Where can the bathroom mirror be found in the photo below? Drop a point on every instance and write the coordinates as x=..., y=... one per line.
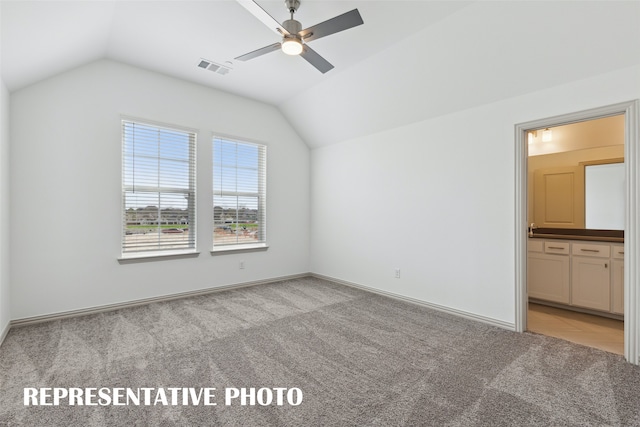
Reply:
x=604, y=195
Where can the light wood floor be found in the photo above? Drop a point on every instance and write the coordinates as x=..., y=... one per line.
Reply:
x=586, y=329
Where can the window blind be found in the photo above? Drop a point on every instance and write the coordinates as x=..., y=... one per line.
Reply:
x=158, y=188
x=239, y=192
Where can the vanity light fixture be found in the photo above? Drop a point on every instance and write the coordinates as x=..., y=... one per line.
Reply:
x=547, y=135
x=532, y=135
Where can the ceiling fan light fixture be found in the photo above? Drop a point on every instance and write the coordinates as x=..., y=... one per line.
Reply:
x=292, y=46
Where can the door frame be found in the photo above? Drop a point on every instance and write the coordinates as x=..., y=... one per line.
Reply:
x=631, y=111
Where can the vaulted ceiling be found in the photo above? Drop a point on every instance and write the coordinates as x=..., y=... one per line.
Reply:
x=41, y=38
x=409, y=61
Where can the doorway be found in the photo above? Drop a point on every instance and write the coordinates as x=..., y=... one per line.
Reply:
x=631, y=225
x=576, y=190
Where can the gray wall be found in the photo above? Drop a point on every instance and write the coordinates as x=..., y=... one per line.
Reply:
x=66, y=193
x=5, y=295
x=437, y=199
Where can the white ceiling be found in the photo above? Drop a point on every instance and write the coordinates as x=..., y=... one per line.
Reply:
x=485, y=52
x=410, y=61
x=42, y=38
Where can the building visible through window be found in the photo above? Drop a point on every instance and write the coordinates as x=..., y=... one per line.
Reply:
x=239, y=193
x=158, y=188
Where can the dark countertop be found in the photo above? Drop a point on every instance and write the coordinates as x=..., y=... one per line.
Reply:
x=613, y=236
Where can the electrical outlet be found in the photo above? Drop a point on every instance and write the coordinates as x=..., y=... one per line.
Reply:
x=397, y=273
x=241, y=265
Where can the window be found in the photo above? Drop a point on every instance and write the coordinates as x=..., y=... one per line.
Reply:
x=239, y=193
x=158, y=188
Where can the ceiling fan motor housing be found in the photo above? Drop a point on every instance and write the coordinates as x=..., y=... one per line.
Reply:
x=292, y=26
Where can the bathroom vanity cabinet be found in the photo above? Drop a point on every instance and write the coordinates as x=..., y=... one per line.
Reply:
x=582, y=274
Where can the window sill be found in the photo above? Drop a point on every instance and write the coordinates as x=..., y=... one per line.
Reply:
x=153, y=256
x=221, y=250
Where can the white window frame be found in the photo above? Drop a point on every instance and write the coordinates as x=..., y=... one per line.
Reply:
x=190, y=193
x=261, y=195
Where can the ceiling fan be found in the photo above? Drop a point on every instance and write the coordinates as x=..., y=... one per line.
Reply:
x=294, y=38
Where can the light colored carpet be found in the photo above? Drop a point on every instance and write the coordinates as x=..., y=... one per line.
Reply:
x=359, y=358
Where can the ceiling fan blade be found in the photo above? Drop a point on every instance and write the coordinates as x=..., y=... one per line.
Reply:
x=313, y=58
x=334, y=25
x=259, y=52
x=256, y=10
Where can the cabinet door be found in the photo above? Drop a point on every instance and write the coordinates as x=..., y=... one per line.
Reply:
x=558, y=197
x=590, y=283
x=617, y=285
x=548, y=277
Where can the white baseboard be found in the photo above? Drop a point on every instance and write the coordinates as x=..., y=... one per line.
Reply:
x=111, y=307
x=4, y=332
x=461, y=313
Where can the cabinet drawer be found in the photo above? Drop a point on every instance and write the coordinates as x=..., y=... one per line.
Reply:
x=535, y=246
x=618, y=252
x=556, y=248
x=587, y=249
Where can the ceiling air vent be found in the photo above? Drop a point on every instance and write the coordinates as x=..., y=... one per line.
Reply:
x=212, y=66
